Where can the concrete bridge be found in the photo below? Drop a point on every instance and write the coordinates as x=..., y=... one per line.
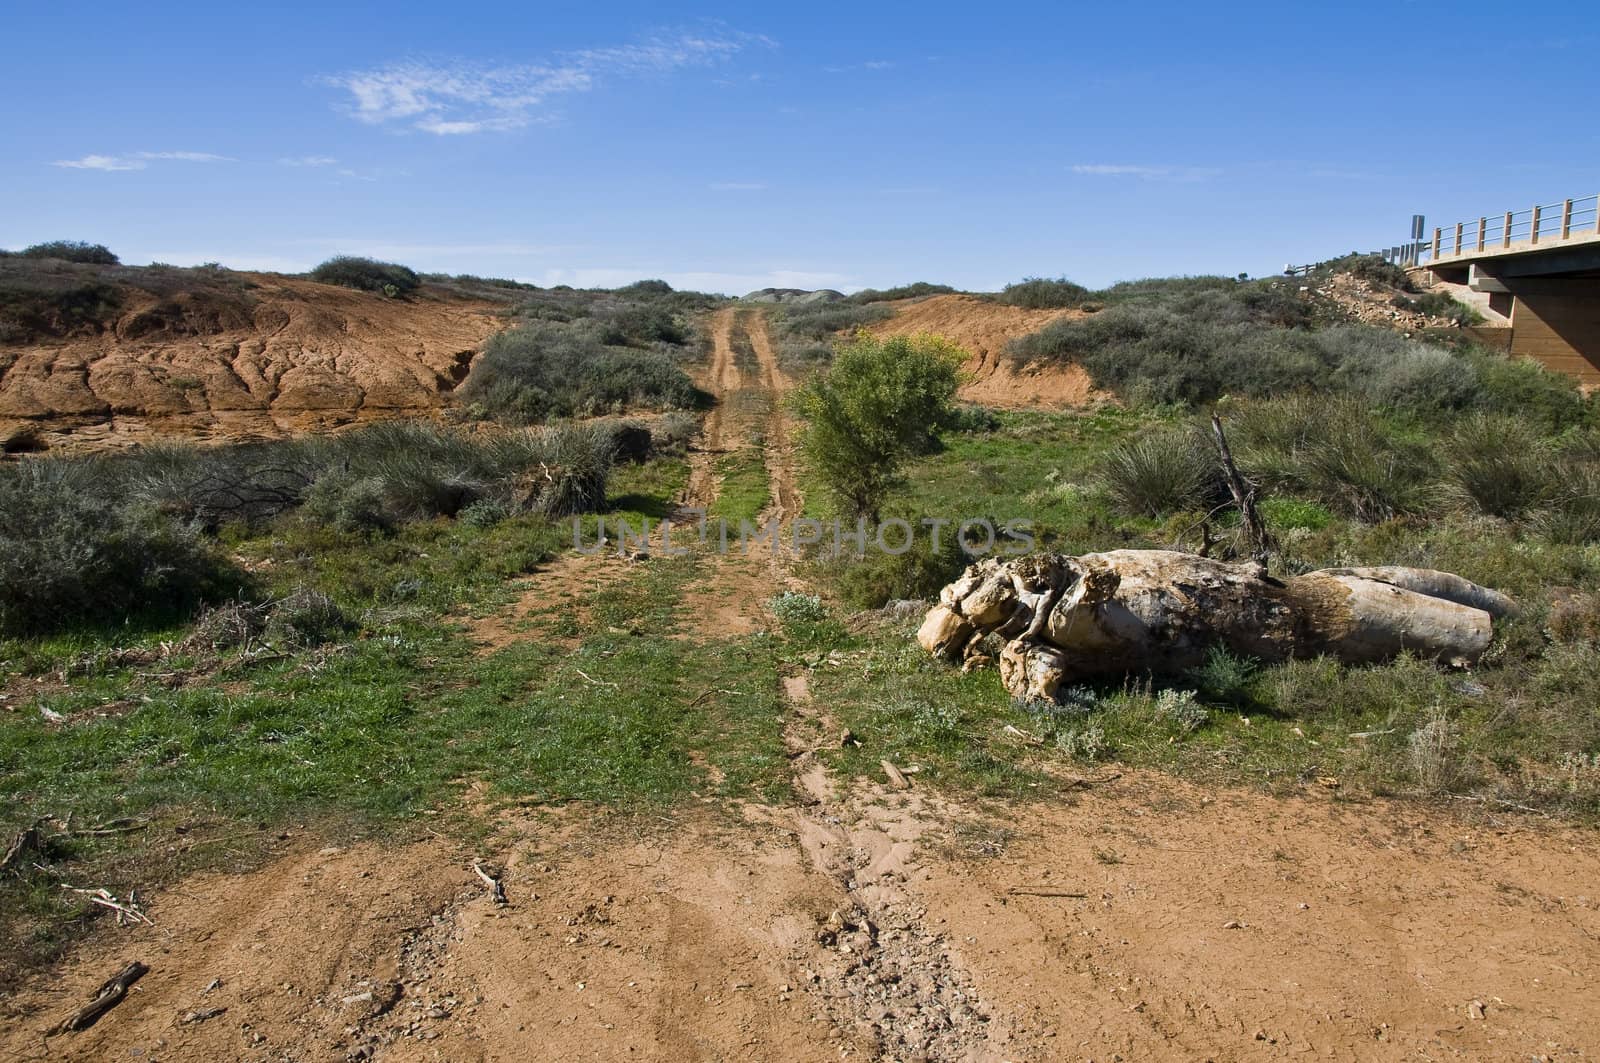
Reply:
x=1534, y=274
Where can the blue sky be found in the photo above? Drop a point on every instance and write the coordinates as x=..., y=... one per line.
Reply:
x=729, y=146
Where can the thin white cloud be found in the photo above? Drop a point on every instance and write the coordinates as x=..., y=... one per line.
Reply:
x=1148, y=173
x=308, y=160
x=870, y=64
x=460, y=98
x=102, y=162
x=737, y=186
x=138, y=160
x=186, y=156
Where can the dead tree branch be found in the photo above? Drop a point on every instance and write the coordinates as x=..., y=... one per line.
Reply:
x=107, y=997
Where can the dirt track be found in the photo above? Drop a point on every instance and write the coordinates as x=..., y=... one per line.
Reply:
x=1132, y=917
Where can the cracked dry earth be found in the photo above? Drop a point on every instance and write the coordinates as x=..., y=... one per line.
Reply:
x=300, y=357
x=1132, y=917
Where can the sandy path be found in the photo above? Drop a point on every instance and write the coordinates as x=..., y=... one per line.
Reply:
x=721, y=379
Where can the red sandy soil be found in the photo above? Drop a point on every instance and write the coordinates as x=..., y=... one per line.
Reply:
x=984, y=328
x=297, y=356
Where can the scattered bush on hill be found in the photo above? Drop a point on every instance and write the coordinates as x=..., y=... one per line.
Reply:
x=72, y=251
x=1195, y=340
x=1041, y=293
x=543, y=369
x=805, y=332
x=367, y=275
x=581, y=353
x=1370, y=268
x=914, y=290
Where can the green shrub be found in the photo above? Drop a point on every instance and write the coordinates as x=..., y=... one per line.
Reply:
x=1182, y=709
x=1363, y=470
x=72, y=554
x=1163, y=472
x=366, y=274
x=973, y=418
x=546, y=369
x=72, y=251
x=870, y=581
x=1438, y=304
x=1396, y=373
x=914, y=290
x=574, y=469
x=1370, y=268
x=306, y=617
x=1158, y=289
x=1190, y=347
x=1527, y=390
x=1572, y=515
x=674, y=432
x=1225, y=677
x=348, y=502
x=38, y=300
x=1041, y=293
x=214, y=486
x=1499, y=464
x=643, y=325
x=646, y=287
x=1196, y=339
x=820, y=321
x=881, y=402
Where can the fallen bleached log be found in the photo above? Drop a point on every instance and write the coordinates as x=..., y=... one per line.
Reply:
x=1136, y=611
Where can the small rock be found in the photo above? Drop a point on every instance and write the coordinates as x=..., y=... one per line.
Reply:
x=1233, y=924
x=1475, y=1009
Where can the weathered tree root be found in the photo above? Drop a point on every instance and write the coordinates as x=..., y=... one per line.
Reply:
x=1155, y=611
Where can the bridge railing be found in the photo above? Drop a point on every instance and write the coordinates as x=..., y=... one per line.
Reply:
x=1543, y=223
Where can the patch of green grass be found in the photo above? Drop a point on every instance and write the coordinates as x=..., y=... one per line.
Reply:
x=915, y=712
x=390, y=719
x=1520, y=727
x=649, y=489
x=746, y=486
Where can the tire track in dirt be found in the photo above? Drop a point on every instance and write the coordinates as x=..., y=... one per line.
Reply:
x=729, y=600
x=573, y=574
x=779, y=454
x=874, y=968
x=880, y=969
x=721, y=380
